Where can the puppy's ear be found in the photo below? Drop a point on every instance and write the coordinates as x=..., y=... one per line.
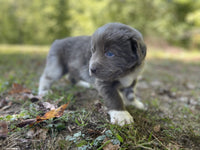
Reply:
x=138, y=48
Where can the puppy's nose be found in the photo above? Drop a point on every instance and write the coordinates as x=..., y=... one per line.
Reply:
x=93, y=70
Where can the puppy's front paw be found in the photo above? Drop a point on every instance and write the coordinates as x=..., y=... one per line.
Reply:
x=120, y=117
x=44, y=92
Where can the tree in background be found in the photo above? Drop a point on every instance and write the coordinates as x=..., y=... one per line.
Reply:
x=33, y=22
x=61, y=18
x=41, y=22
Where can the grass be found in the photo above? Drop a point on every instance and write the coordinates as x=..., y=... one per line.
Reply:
x=169, y=87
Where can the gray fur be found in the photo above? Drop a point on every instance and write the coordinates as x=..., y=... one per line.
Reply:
x=83, y=58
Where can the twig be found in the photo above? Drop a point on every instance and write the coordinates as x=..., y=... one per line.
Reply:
x=158, y=140
x=144, y=147
x=107, y=142
x=103, y=131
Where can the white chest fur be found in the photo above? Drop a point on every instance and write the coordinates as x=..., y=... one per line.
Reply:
x=127, y=80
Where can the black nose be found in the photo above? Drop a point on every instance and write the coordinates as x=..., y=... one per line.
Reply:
x=93, y=70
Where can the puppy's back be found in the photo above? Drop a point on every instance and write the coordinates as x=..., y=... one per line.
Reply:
x=65, y=46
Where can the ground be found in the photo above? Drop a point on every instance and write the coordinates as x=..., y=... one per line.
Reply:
x=169, y=87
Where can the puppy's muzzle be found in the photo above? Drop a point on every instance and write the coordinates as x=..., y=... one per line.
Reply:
x=92, y=70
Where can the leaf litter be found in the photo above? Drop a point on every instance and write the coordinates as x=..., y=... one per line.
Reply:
x=3, y=129
x=48, y=115
x=52, y=113
x=18, y=88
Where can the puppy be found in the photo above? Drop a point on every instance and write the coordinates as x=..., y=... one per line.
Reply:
x=110, y=60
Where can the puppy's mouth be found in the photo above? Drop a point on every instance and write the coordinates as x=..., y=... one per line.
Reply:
x=92, y=70
x=104, y=75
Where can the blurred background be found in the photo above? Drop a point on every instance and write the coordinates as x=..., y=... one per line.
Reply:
x=36, y=22
x=169, y=85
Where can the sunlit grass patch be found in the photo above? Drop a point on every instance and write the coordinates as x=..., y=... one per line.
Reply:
x=184, y=55
x=21, y=64
x=31, y=49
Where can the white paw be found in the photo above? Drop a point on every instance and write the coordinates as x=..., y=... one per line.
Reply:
x=120, y=117
x=84, y=84
x=138, y=104
x=44, y=92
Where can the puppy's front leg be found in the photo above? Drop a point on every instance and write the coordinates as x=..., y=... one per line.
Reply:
x=116, y=110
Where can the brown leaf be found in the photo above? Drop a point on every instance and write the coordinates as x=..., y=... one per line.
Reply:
x=26, y=122
x=53, y=113
x=3, y=129
x=110, y=146
x=17, y=88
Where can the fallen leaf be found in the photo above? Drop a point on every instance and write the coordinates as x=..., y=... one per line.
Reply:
x=110, y=146
x=53, y=113
x=156, y=128
x=3, y=129
x=17, y=88
x=26, y=122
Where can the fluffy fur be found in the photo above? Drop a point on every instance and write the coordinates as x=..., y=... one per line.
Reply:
x=110, y=60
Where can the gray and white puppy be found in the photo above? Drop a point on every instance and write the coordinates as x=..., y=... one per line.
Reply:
x=110, y=60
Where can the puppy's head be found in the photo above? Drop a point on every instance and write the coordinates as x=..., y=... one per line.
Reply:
x=116, y=49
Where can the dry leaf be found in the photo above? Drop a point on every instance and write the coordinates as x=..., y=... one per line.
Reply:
x=110, y=146
x=3, y=129
x=17, y=88
x=156, y=128
x=26, y=122
x=53, y=113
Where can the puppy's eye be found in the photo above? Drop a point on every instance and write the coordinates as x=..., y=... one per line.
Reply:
x=109, y=54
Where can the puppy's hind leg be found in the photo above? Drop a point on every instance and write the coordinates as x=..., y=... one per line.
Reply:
x=52, y=72
x=129, y=97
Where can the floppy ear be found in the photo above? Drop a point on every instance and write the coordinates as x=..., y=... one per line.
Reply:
x=138, y=48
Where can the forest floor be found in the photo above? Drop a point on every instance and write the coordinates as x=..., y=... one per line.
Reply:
x=169, y=87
